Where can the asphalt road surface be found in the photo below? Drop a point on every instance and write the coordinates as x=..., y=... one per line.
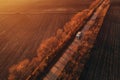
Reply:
x=104, y=63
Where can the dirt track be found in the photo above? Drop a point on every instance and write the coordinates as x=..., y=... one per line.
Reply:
x=104, y=63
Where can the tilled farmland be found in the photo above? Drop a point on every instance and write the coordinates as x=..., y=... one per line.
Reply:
x=21, y=35
x=104, y=63
x=24, y=37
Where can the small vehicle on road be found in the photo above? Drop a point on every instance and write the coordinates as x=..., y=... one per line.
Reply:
x=79, y=35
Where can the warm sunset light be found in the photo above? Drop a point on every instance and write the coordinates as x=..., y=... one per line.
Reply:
x=59, y=40
x=10, y=2
x=36, y=6
x=7, y=6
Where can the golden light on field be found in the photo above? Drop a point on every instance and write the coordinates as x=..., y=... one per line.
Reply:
x=15, y=2
x=38, y=6
x=9, y=5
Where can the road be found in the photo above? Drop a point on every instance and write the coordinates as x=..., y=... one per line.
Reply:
x=61, y=63
x=59, y=66
x=104, y=63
